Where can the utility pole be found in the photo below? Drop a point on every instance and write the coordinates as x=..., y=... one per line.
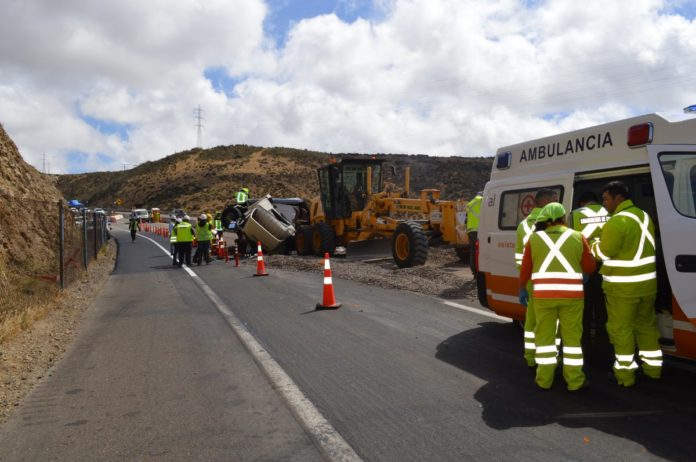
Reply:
x=124, y=166
x=44, y=163
x=198, y=116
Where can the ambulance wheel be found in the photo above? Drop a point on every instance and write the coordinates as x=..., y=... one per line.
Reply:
x=303, y=240
x=323, y=239
x=409, y=245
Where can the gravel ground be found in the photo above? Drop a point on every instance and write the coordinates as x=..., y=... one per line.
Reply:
x=28, y=357
x=443, y=275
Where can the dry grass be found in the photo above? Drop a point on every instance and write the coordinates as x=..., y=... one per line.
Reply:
x=23, y=300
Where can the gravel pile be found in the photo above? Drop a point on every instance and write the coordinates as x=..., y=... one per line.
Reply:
x=443, y=275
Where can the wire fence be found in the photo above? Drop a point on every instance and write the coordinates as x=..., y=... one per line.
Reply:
x=82, y=234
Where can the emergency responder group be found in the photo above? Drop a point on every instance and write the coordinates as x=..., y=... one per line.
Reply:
x=561, y=265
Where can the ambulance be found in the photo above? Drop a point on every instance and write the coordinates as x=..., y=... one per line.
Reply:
x=654, y=155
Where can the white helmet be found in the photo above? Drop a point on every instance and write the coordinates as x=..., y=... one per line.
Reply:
x=187, y=218
x=179, y=220
x=203, y=217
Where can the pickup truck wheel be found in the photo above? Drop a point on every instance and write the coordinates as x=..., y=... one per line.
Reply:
x=409, y=245
x=323, y=239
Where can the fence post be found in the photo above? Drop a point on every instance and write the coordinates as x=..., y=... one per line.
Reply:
x=84, y=237
x=95, y=235
x=61, y=234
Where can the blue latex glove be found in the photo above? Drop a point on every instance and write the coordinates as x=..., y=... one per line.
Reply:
x=524, y=297
x=585, y=278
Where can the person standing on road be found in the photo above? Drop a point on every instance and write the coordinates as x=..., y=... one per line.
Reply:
x=184, y=238
x=473, y=212
x=524, y=230
x=172, y=240
x=217, y=225
x=555, y=260
x=134, y=227
x=204, y=234
x=627, y=250
x=589, y=218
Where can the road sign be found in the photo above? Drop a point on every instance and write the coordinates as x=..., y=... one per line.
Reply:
x=118, y=202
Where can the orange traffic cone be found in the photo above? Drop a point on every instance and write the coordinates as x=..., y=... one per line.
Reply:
x=329, y=301
x=260, y=268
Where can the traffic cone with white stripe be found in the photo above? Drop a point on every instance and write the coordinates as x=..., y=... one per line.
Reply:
x=260, y=268
x=329, y=299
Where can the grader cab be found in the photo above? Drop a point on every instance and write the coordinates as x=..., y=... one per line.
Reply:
x=354, y=211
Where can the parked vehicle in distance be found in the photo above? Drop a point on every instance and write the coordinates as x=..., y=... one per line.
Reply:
x=141, y=214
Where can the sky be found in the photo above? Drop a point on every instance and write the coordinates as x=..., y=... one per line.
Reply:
x=88, y=85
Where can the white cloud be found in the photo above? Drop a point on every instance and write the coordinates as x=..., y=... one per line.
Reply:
x=440, y=77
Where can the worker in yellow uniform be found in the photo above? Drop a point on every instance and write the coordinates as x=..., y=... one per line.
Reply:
x=525, y=229
x=627, y=250
x=204, y=234
x=589, y=218
x=184, y=237
x=555, y=260
x=217, y=225
x=473, y=216
x=242, y=196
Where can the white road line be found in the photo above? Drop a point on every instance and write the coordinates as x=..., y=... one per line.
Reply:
x=471, y=309
x=332, y=444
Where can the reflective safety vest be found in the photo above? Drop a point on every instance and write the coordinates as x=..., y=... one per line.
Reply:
x=524, y=230
x=557, y=263
x=172, y=237
x=183, y=232
x=241, y=197
x=203, y=233
x=218, y=225
x=589, y=220
x=473, y=214
x=627, y=250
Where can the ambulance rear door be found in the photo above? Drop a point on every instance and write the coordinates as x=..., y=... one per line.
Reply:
x=673, y=170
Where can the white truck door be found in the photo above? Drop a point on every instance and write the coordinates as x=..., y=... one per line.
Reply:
x=673, y=170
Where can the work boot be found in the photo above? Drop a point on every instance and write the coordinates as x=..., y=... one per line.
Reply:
x=585, y=385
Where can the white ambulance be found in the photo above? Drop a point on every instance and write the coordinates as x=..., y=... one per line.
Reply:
x=655, y=155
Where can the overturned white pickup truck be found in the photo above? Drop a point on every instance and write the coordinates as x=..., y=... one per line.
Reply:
x=271, y=221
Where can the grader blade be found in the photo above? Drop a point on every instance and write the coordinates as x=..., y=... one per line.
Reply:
x=369, y=248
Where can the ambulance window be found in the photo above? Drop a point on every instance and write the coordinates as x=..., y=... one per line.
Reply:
x=516, y=205
x=679, y=170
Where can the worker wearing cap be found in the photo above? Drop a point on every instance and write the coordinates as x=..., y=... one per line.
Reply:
x=134, y=227
x=172, y=238
x=555, y=259
x=217, y=224
x=204, y=234
x=524, y=230
x=473, y=212
x=589, y=218
x=627, y=250
x=184, y=237
x=242, y=196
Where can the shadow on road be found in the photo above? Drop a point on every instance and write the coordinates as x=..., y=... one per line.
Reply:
x=658, y=415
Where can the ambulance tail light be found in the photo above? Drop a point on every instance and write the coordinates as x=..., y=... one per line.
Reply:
x=640, y=135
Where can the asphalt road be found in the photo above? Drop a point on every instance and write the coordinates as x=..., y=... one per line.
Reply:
x=401, y=377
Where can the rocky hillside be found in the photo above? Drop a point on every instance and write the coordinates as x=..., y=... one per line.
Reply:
x=28, y=238
x=208, y=179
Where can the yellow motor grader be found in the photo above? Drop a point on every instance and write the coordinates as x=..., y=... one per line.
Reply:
x=356, y=213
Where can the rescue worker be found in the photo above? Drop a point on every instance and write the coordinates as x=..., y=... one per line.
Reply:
x=242, y=196
x=589, y=218
x=525, y=229
x=217, y=225
x=204, y=234
x=627, y=250
x=134, y=227
x=172, y=240
x=473, y=216
x=555, y=259
x=184, y=236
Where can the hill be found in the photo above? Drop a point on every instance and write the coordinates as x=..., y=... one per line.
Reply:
x=207, y=179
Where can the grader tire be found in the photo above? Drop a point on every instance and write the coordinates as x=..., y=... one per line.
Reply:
x=409, y=245
x=303, y=240
x=323, y=239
